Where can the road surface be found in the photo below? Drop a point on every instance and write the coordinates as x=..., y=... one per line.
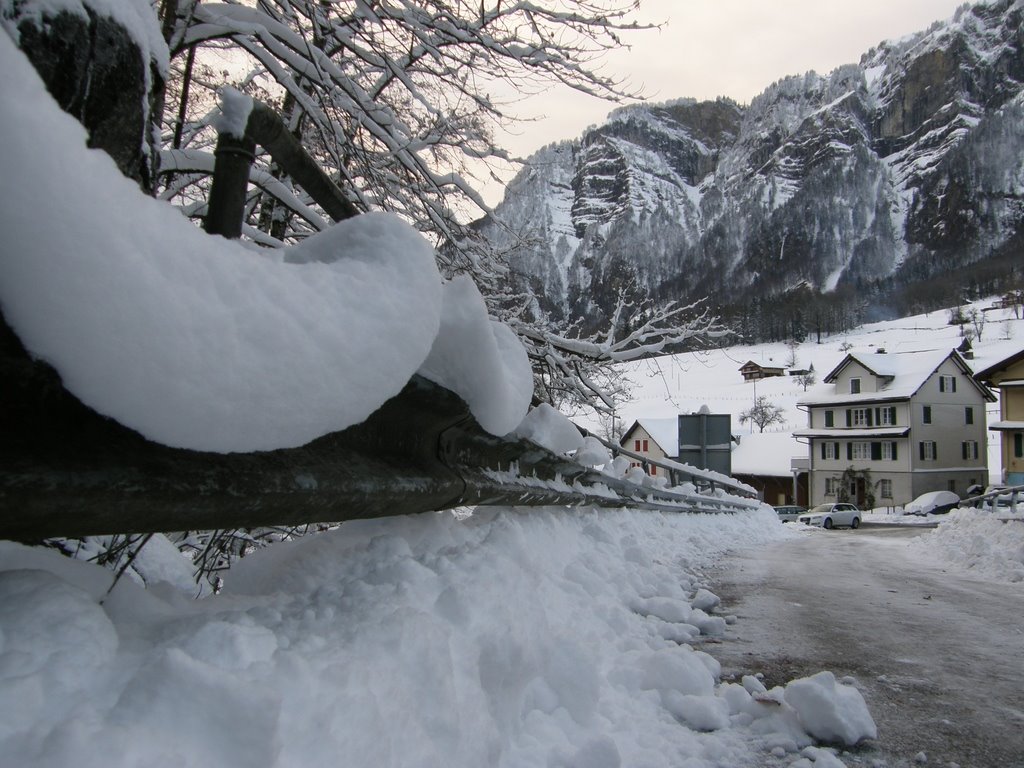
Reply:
x=938, y=656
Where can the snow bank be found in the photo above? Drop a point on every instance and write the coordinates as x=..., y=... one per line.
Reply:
x=990, y=545
x=549, y=638
x=203, y=343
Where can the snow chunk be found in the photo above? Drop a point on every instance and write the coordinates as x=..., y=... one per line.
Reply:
x=702, y=713
x=192, y=340
x=235, y=107
x=593, y=453
x=550, y=429
x=480, y=359
x=830, y=711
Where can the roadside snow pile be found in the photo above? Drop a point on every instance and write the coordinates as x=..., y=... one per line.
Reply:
x=978, y=541
x=548, y=638
x=203, y=343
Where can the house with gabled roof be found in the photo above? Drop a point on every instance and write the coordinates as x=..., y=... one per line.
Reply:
x=885, y=428
x=1008, y=375
x=701, y=439
x=752, y=371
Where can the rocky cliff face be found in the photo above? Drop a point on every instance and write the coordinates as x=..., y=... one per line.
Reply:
x=902, y=167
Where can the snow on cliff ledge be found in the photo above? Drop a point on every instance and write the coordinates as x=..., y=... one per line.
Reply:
x=203, y=343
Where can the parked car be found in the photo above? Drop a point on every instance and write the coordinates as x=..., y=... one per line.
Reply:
x=789, y=512
x=932, y=503
x=832, y=515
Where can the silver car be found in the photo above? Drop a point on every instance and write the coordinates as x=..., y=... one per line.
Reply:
x=832, y=515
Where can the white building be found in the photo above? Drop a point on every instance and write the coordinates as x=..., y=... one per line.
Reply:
x=885, y=428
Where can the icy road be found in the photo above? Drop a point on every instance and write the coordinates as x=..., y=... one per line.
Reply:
x=938, y=656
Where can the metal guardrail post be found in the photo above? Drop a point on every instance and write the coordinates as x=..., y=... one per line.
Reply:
x=226, y=207
x=235, y=156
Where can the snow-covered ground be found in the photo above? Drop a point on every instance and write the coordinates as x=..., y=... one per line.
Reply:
x=543, y=637
x=501, y=638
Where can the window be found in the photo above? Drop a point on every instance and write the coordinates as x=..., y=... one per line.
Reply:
x=854, y=386
x=928, y=450
x=926, y=414
x=646, y=449
x=829, y=450
x=885, y=488
x=951, y=486
x=861, y=417
x=886, y=417
x=968, y=415
x=830, y=486
x=860, y=450
x=947, y=383
x=830, y=418
x=969, y=449
x=654, y=470
x=1018, y=444
x=636, y=446
x=884, y=451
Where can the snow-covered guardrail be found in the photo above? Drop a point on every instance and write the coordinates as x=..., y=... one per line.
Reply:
x=992, y=500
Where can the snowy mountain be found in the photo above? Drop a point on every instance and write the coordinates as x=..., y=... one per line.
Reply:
x=880, y=179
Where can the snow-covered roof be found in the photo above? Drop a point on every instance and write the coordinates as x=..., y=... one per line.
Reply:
x=766, y=453
x=902, y=374
x=1006, y=425
x=1001, y=365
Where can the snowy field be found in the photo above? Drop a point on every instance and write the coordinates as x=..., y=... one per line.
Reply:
x=667, y=386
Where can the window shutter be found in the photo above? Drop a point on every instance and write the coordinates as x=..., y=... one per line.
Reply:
x=867, y=417
x=921, y=446
x=849, y=451
x=830, y=419
x=935, y=451
x=849, y=418
x=969, y=415
x=892, y=414
x=822, y=449
x=835, y=449
x=942, y=383
x=878, y=415
x=876, y=451
x=894, y=450
x=965, y=447
x=952, y=384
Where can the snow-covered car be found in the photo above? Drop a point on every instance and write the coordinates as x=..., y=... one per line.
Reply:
x=932, y=503
x=789, y=512
x=840, y=514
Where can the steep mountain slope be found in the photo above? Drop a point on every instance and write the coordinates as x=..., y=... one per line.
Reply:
x=854, y=185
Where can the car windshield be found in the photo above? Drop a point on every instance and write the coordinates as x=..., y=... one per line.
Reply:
x=821, y=509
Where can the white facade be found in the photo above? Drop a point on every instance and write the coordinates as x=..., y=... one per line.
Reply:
x=883, y=429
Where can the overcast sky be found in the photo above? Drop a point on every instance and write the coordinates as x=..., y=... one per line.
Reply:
x=734, y=48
